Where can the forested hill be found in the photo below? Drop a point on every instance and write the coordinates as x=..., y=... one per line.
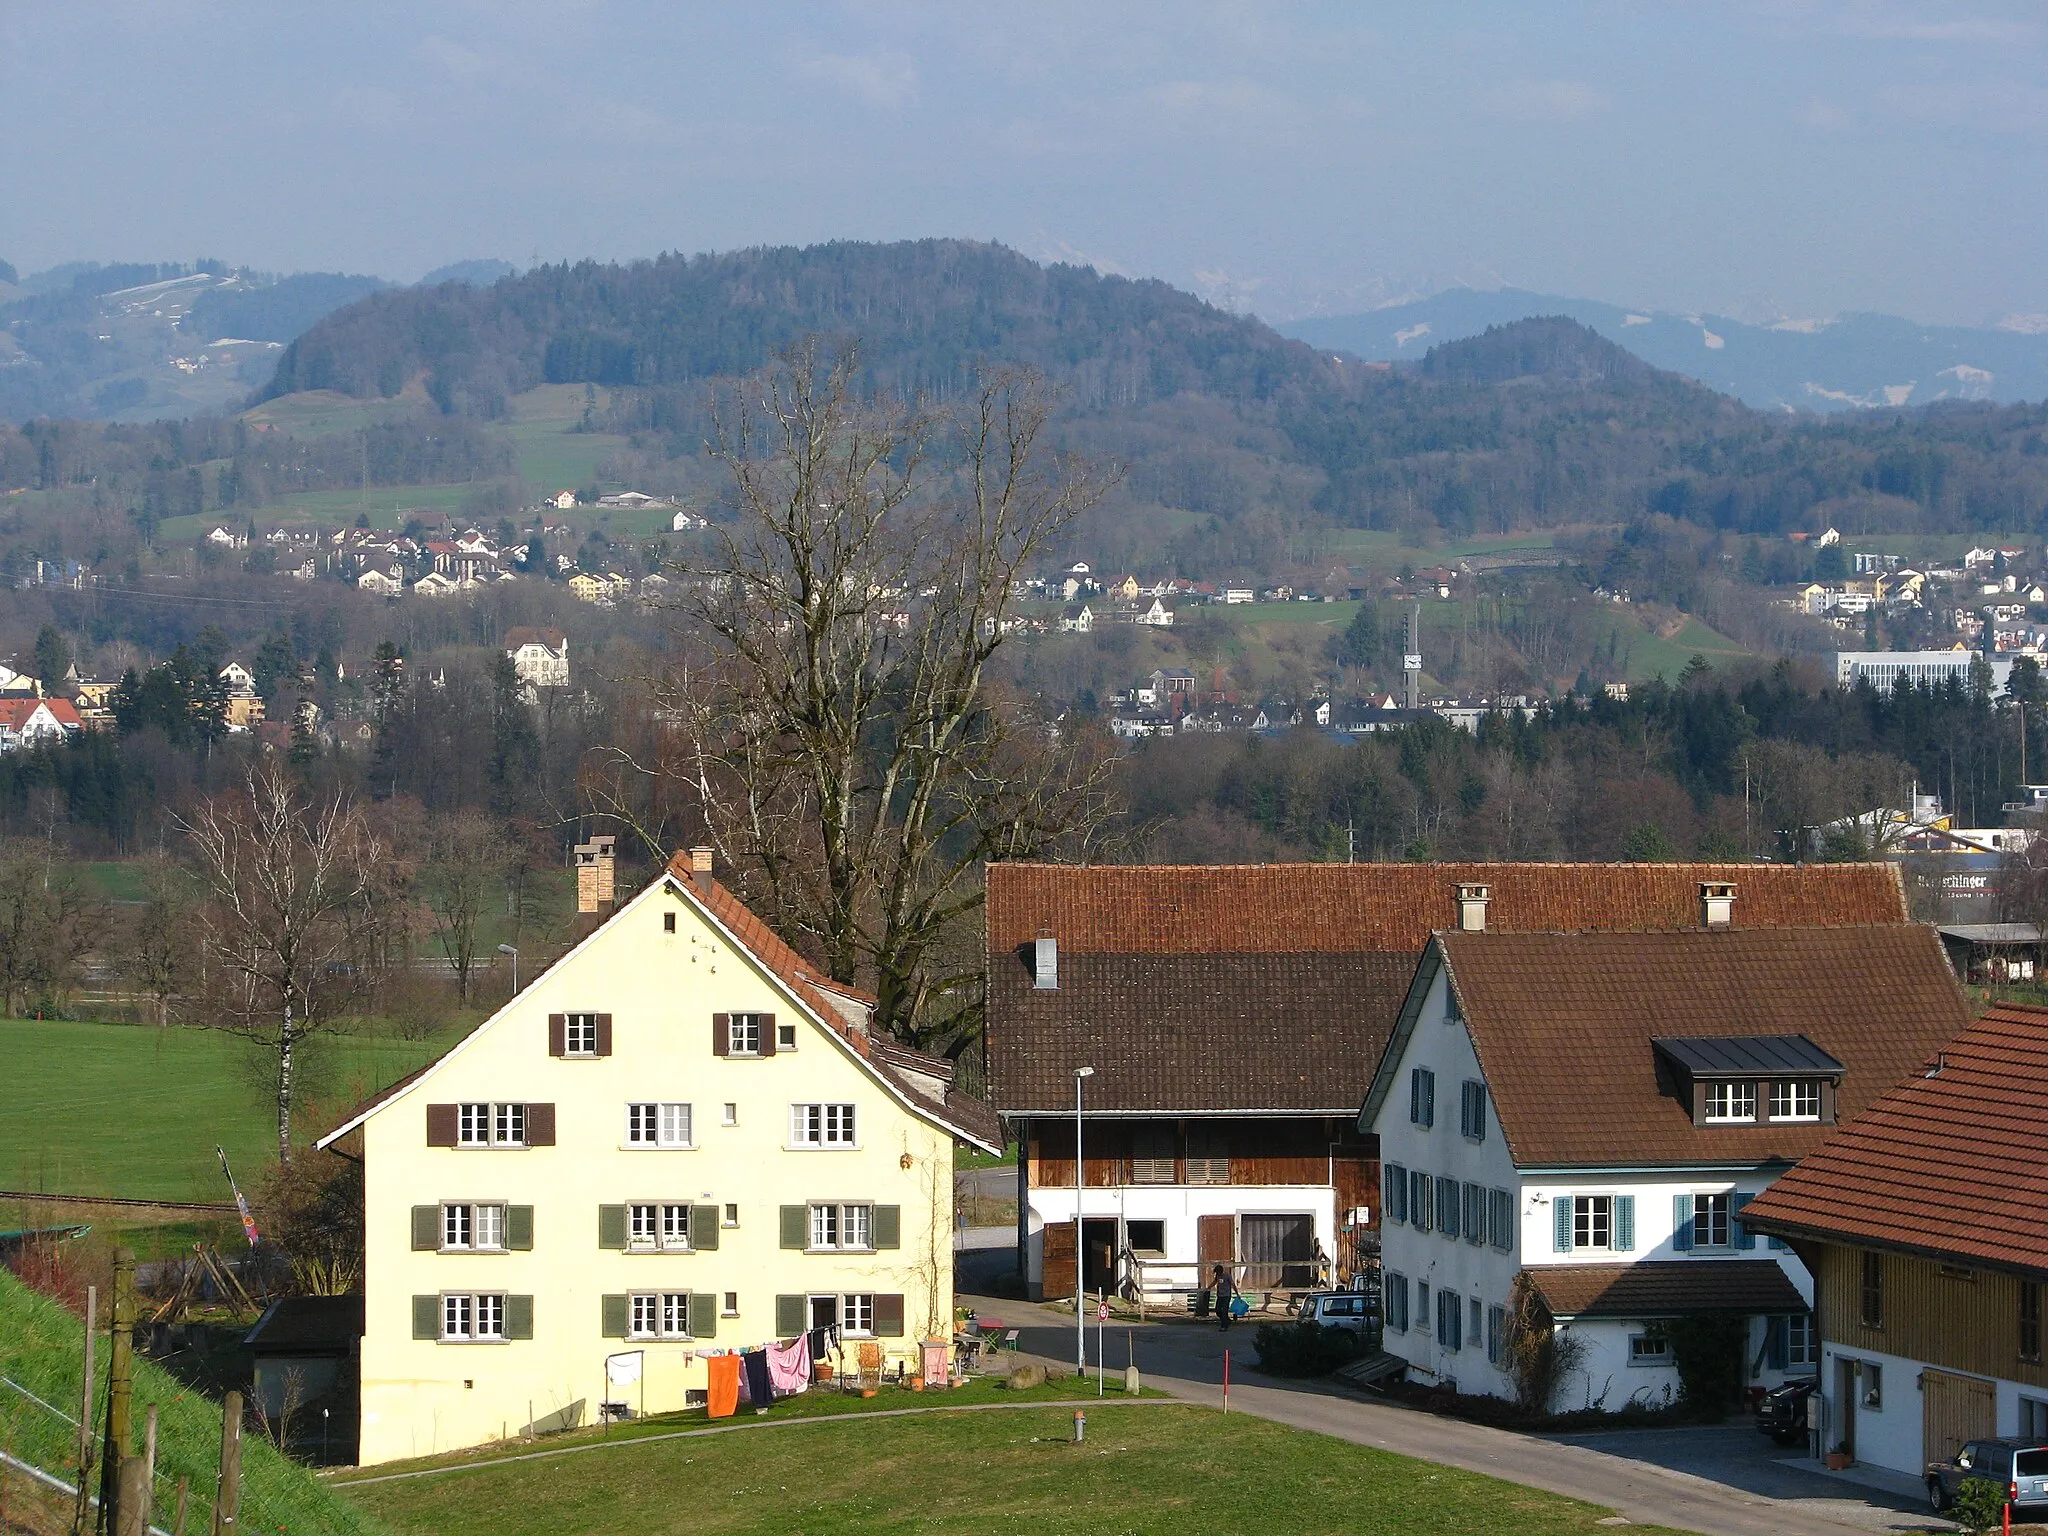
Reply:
x=925, y=312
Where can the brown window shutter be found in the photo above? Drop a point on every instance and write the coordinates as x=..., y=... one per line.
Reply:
x=558, y=1034
x=889, y=1317
x=540, y=1125
x=767, y=1034
x=440, y=1125
x=604, y=1034
x=721, y=1034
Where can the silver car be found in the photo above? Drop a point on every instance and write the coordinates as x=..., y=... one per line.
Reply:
x=1341, y=1309
x=2019, y=1466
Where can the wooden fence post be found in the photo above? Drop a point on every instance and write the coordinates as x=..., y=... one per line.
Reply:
x=120, y=1388
x=227, y=1497
x=86, y=1415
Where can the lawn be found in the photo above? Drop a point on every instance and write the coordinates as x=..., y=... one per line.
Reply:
x=134, y=1111
x=1142, y=1469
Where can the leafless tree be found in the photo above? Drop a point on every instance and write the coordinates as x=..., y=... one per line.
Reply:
x=854, y=759
x=289, y=918
x=466, y=871
x=157, y=957
x=48, y=924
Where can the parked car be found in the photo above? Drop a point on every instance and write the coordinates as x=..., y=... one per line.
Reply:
x=1341, y=1309
x=1782, y=1412
x=2020, y=1465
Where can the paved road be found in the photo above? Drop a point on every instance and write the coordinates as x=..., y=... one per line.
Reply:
x=1724, y=1481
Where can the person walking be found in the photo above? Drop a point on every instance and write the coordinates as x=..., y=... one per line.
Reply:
x=1225, y=1292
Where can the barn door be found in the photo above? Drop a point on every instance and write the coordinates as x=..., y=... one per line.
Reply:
x=1955, y=1409
x=1058, y=1269
x=1279, y=1252
x=1215, y=1242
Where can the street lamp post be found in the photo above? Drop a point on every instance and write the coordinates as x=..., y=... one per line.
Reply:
x=1081, y=1075
x=507, y=949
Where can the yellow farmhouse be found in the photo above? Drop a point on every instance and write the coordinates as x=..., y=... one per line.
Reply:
x=679, y=1139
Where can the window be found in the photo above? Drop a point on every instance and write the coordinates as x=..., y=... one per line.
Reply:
x=1395, y=1178
x=1474, y=1316
x=675, y=1226
x=1710, y=1218
x=645, y=1321
x=1872, y=1291
x=490, y=1125
x=468, y=1319
x=1146, y=1237
x=785, y=1037
x=1496, y=1335
x=1394, y=1298
x=658, y=1125
x=857, y=1314
x=732, y=1304
x=1730, y=1101
x=1802, y=1341
x=1420, y=1185
x=1872, y=1380
x=1152, y=1154
x=846, y=1227
x=579, y=1035
x=1422, y=1097
x=730, y=1115
x=473, y=1228
x=2033, y=1419
x=821, y=1125
x=744, y=1034
x=1593, y=1221
x=1648, y=1349
x=1795, y=1101
x=675, y=1314
x=642, y=1226
x=1472, y=1110
x=732, y=1213
x=1502, y=1204
x=1450, y=1320
x=668, y=922
x=1475, y=1220
x=1447, y=1208
x=2030, y=1320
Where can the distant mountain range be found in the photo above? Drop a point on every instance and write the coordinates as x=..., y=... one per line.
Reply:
x=1850, y=362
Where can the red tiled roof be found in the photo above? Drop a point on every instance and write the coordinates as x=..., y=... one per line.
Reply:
x=1331, y=908
x=16, y=712
x=1951, y=1162
x=1665, y=1288
x=1563, y=1023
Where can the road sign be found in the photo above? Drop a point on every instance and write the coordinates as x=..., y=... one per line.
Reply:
x=1102, y=1312
x=1411, y=663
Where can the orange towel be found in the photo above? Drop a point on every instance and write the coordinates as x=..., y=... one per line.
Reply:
x=724, y=1396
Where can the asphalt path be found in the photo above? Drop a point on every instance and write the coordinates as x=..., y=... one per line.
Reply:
x=1724, y=1480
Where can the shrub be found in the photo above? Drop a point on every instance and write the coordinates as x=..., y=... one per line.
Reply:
x=1707, y=1352
x=1979, y=1508
x=1305, y=1349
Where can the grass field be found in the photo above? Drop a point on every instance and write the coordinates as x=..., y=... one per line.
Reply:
x=133, y=1111
x=41, y=1346
x=1142, y=1469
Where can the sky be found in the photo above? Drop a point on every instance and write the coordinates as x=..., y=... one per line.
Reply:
x=1799, y=158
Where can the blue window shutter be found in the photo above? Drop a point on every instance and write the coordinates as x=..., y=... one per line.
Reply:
x=1624, y=1223
x=1744, y=1238
x=1563, y=1207
x=1428, y=1097
x=1681, y=1222
x=1396, y=1181
x=1415, y=1095
x=1418, y=1200
x=1447, y=1207
x=1775, y=1353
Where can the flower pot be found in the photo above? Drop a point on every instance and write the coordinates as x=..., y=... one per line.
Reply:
x=1839, y=1461
x=917, y=1383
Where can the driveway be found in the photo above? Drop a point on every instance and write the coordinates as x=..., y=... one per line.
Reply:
x=1721, y=1480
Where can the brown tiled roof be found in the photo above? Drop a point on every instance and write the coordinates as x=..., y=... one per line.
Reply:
x=1562, y=1023
x=1951, y=1162
x=1286, y=1033
x=1665, y=1288
x=1331, y=908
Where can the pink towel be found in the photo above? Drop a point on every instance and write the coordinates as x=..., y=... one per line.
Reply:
x=789, y=1365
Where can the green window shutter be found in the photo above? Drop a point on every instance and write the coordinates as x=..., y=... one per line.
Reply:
x=703, y=1231
x=888, y=1226
x=519, y=1227
x=704, y=1314
x=1681, y=1222
x=789, y=1316
x=1562, y=1208
x=611, y=1226
x=888, y=1317
x=796, y=1220
x=518, y=1317
x=613, y=1317
x=426, y=1228
x=1394, y=1200
x=1744, y=1238
x=1624, y=1223
x=426, y=1317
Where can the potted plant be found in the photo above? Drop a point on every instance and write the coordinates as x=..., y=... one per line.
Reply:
x=1839, y=1458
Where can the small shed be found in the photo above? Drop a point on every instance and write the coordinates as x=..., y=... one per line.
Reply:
x=307, y=1372
x=1992, y=954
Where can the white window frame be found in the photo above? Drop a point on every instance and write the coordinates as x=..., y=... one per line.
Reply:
x=751, y=1024
x=729, y=1115
x=490, y=1124
x=732, y=1214
x=676, y=1236
x=473, y=1221
x=675, y=1315
x=660, y=1125
x=643, y=1315
x=833, y=1226
x=1806, y=1352
x=1640, y=1355
x=823, y=1127
x=785, y=1036
x=579, y=1034
x=731, y=1308
x=1709, y=1216
x=857, y=1314
x=472, y=1317
x=1732, y=1091
x=1596, y=1209
x=1790, y=1090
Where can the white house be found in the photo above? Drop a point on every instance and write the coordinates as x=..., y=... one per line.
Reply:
x=1159, y=616
x=1570, y=1125
x=1077, y=619
x=381, y=581
x=683, y=522
x=29, y=722
x=539, y=656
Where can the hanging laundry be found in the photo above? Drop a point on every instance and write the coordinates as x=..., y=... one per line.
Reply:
x=724, y=1394
x=789, y=1365
x=759, y=1389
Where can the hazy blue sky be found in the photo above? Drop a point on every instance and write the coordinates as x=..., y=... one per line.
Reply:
x=1804, y=157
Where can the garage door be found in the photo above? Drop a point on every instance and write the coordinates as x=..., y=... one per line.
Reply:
x=1955, y=1409
x=1279, y=1252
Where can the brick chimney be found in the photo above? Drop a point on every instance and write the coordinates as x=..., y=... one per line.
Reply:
x=595, y=874
x=700, y=868
x=1717, y=902
x=1472, y=900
